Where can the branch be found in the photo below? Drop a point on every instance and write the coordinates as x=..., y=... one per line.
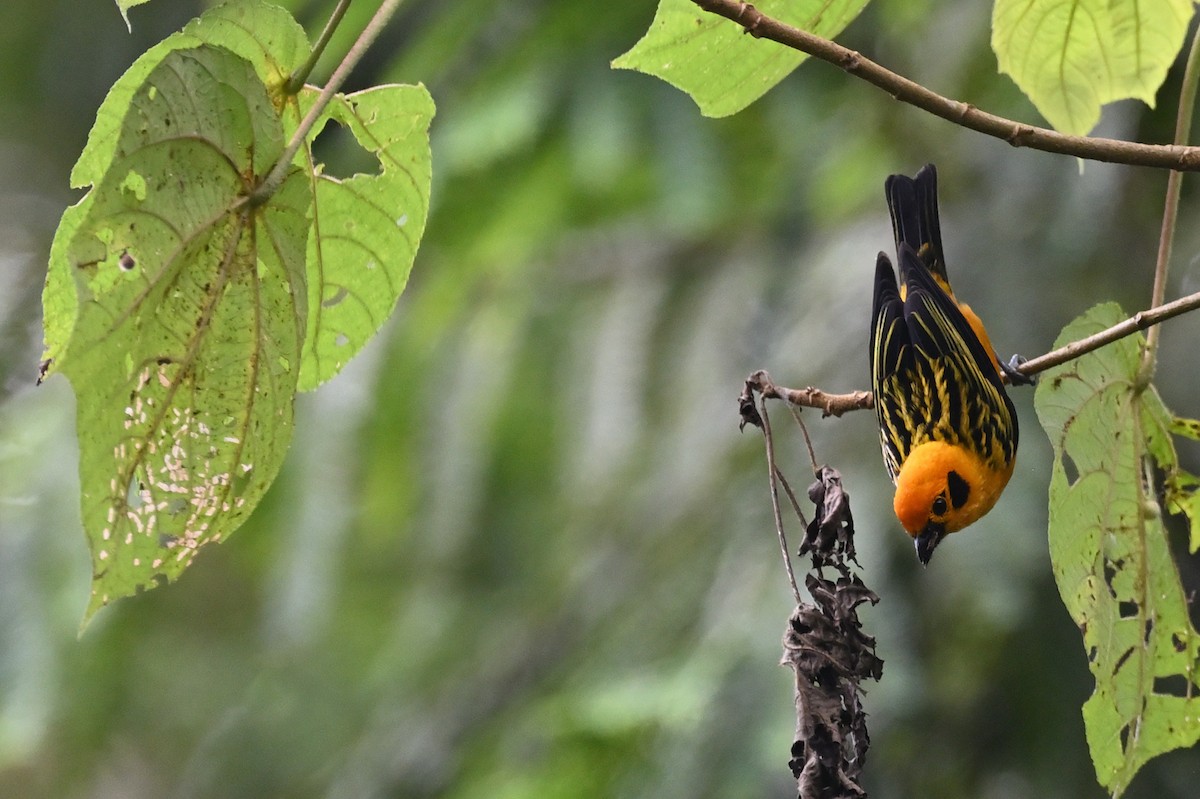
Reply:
x=1139, y=321
x=274, y=178
x=837, y=404
x=1183, y=131
x=829, y=404
x=1018, y=134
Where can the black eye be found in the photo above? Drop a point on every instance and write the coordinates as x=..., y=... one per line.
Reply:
x=939, y=506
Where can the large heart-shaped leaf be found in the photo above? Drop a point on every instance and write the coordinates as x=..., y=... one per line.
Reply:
x=1110, y=553
x=1073, y=56
x=185, y=346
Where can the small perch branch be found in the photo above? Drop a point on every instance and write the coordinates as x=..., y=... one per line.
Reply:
x=1139, y=321
x=828, y=404
x=1018, y=134
x=837, y=404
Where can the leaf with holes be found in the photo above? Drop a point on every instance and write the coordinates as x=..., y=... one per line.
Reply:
x=1183, y=488
x=1071, y=57
x=1110, y=553
x=263, y=34
x=181, y=312
x=713, y=60
x=365, y=229
x=190, y=303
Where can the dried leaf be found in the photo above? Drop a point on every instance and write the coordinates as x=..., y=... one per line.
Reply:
x=831, y=532
x=830, y=655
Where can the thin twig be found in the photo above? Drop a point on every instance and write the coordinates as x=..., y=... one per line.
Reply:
x=1018, y=134
x=274, y=178
x=773, y=471
x=1183, y=132
x=296, y=80
x=787, y=489
x=812, y=455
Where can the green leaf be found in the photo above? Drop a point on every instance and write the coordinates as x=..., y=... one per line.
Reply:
x=263, y=34
x=1070, y=57
x=1110, y=552
x=715, y=62
x=124, y=6
x=186, y=319
x=1183, y=488
x=185, y=350
x=366, y=229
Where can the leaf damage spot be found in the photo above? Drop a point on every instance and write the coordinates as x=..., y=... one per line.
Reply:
x=1110, y=574
x=1172, y=685
x=1071, y=470
x=176, y=481
x=134, y=184
x=1122, y=660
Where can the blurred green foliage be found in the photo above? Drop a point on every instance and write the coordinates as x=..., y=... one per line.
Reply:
x=518, y=548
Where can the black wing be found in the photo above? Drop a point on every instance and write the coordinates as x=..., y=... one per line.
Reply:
x=932, y=379
x=891, y=355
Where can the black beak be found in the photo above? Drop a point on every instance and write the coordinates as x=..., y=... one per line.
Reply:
x=927, y=541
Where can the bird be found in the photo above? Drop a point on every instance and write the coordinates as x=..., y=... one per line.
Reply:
x=947, y=427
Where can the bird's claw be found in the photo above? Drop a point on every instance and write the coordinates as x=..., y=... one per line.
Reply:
x=1012, y=370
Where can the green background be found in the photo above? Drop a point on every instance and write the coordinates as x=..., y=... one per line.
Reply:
x=519, y=547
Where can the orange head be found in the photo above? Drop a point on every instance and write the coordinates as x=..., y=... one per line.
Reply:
x=941, y=489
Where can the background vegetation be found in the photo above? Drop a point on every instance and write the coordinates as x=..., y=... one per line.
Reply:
x=519, y=547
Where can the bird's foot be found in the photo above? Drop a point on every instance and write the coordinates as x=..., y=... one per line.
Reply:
x=1012, y=370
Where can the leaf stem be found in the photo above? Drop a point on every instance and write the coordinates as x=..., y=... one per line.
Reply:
x=1018, y=134
x=271, y=183
x=296, y=81
x=1183, y=132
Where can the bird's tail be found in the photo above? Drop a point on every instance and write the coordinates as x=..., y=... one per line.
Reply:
x=912, y=203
